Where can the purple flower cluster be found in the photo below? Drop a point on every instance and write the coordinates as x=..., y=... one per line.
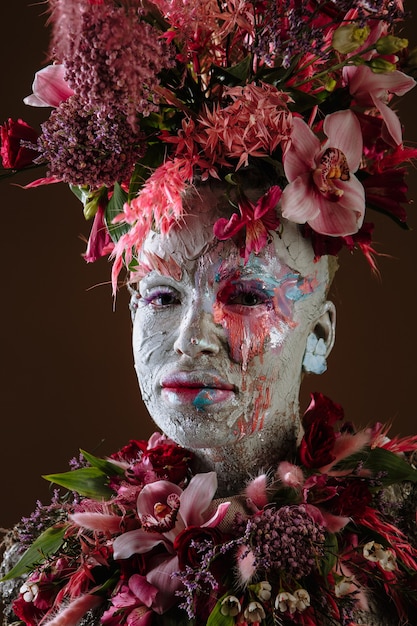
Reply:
x=85, y=146
x=115, y=60
x=40, y=519
x=285, y=539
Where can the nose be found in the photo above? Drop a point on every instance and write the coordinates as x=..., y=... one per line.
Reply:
x=197, y=333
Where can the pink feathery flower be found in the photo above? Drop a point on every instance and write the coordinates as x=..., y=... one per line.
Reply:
x=323, y=190
x=255, y=123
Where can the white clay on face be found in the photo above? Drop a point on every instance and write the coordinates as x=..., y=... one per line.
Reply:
x=218, y=351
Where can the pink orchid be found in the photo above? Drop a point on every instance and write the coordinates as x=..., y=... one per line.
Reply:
x=258, y=219
x=323, y=190
x=164, y=510
x=49, y=87
x=375, y=90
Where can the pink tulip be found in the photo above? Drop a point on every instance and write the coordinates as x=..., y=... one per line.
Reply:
x=371, y=89
x=49, y=87
x=322, y=189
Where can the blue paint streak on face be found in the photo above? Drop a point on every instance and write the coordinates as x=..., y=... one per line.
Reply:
x=203, y=399
x=295, y=292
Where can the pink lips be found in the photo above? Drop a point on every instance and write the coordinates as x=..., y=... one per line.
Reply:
x=198, y=388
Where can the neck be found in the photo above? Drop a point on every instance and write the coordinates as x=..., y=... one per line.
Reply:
x=253, y=455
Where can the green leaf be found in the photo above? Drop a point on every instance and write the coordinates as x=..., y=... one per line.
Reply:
x=45, y=545
x=390, y=467
x=90, y=482
x=114, y=208
x=216, y=618
x=109, y=468
x=330, y=554
x=235, y=75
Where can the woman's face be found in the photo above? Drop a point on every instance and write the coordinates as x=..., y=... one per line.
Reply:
x=218, y=344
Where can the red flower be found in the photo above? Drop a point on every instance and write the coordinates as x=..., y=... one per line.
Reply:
x=131, y=451
x=352, y=500
x=185, y=544
x=169, y=462
x=13, y=154
x=316, y=448
x=258, y=219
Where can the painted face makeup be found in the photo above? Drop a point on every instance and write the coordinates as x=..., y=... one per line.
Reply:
x=218, y=349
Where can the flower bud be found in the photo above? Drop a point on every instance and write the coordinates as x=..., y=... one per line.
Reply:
x=390, y=44
x=380, y=66
x=347, y=39
x=263, y=590
x=254, y=613
x=230, y=606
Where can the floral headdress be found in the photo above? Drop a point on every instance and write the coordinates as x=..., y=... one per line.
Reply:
x=149, y=97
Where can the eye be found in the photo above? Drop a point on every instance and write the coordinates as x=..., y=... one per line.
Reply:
x=245, y=294
x=161, y=297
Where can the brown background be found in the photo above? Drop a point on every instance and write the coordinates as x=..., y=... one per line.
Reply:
x=67, y=379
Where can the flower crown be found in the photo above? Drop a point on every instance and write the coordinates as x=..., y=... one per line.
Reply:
x=150, y=97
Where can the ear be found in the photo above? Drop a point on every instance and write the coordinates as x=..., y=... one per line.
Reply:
x=320, y=341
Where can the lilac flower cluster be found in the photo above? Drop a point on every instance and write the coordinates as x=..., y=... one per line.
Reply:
x=85, y=146
x=285, y=539
x=115, y=60
x=40, y=519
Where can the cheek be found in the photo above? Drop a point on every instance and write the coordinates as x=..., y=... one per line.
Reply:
x=149, y=341
x=259, y=330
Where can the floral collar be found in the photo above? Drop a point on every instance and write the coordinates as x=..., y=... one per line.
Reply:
x=139, y=539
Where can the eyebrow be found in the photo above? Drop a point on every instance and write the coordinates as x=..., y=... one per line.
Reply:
x=229, y=273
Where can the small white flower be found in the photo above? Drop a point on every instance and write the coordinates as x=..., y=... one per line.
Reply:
x=303, y=599
x=29, y=591
x=376, y=553
x=263, y=590
x=254, y=612
x=230, y=606
x=285, y=601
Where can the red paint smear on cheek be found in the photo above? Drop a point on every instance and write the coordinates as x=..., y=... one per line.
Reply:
x=262, y=403
x=246, y=334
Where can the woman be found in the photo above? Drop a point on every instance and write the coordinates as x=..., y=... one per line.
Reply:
x=229, y=304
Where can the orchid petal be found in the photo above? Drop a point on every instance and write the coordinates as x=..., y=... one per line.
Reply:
x=345, y=216
x=299, y=201
x=302, y=151
x=219, y=515
x=49, y=87
x=196, y=498
x=161, y=576
x=155, y=492
x=392, y=123
x=344, y=132
x=135, y=542
x=97, y=521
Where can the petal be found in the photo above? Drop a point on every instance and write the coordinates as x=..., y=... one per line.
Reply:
x=225, y=229
x=142, y=589
x=219, y=515
x=153, y=493
x=392, y=123
x=197, y=497
x=345, y=216
x=49, y=87
x=135, y=542
x=299, y=201
x=300, y=157
x=344, y=132
x=161, y=576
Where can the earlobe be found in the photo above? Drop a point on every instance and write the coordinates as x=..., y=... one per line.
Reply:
x=320, y=341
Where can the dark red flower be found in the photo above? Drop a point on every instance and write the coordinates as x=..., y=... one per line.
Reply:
x=185, y=543
x=169, y=461
x=14, y=155
x=131, y=451
x=316, y=448
x=352, y=499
